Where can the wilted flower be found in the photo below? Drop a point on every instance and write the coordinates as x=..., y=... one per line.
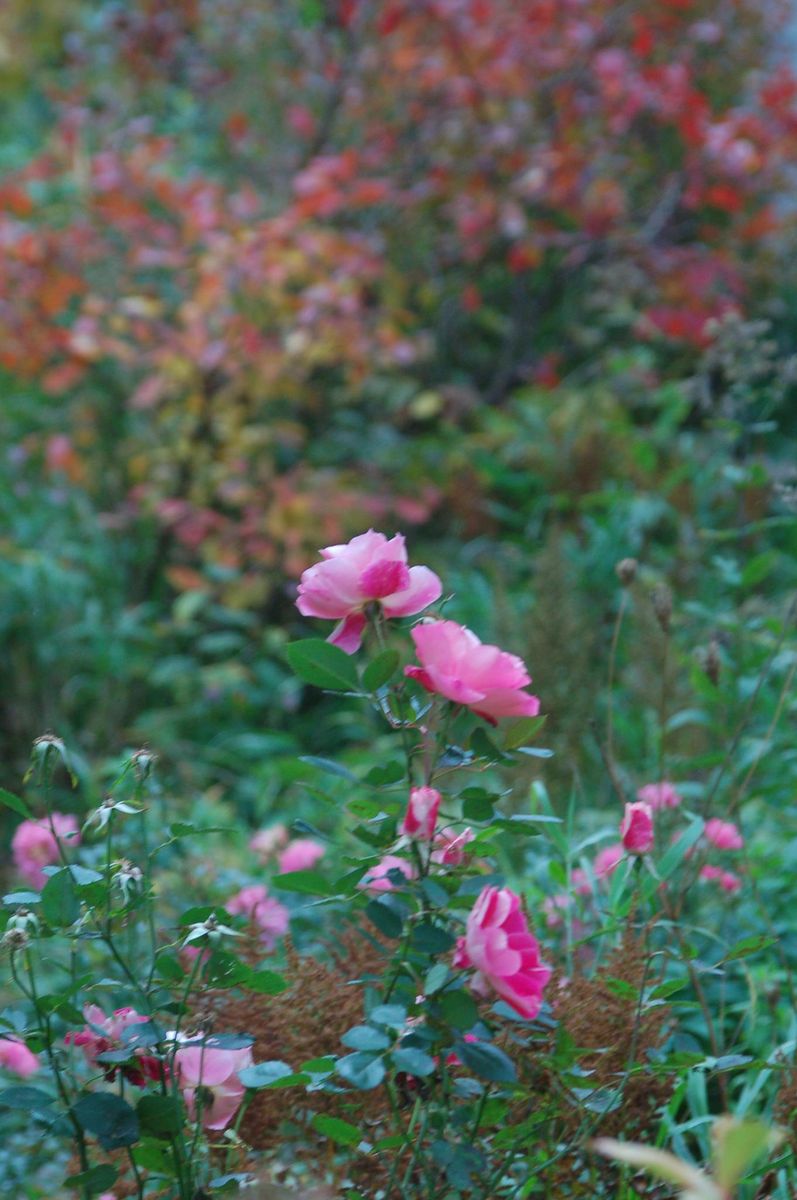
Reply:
x=367, y=569
x=17, y=1058
x=506, y=956
x=636, y=829
x=300, y=855
x=25, y=920
x=211, y=928
x=271, y=918
x=102, y=815
x=421, y=815
x=127, y=878
x=455, y=664
x=210, y=1074
x=35, y=845
x=659, y=795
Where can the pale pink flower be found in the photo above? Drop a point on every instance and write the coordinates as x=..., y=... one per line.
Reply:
x=506, y=955
x=451, y=848
x=421, y=815
x=723, y=834
x=369, y=568
x=608, y=860
x=726, y=879
x=376, y=879
x=455, y=664
x=300, y=855
x=17, y=1058
x=553, y=907
x=215, y=1071
x=636, y=829
x=659, y=795
x=34, y=845
x=270, y=917
x=266, y=842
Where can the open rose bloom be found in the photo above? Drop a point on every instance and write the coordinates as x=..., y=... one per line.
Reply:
x=215, y=1072
x=723, y=834
x=455, y=664
x=377, y=878
x=17, y=1058
x=34, y=846
x=366, y=570
x=102, y=1034
x=269, y=916
x=300, y=855
x=659, y=795
x=505, y=954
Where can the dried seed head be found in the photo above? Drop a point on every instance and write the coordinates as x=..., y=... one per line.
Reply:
x=661, y=599
x=626, y=570
x=15, y=939
x=143, y=763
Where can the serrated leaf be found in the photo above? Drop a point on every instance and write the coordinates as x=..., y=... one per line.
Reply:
x=392, y=1015
x=386, y=920
x=413, y=1061
x=337, y=1130
x=365, y=1037
x=322, y=664
x=110, y=1118
x=310, y=883
x=96, y=1180
x=378, y=672
x=486, y=1061
x=159, y=1115
x=265, y=1074
x=363, y=1071
x=59, y=899
x=24, y=1096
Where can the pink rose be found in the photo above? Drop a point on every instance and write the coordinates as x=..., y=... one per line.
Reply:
x=506, y=956
x=17, y=1058
x=723, y=834
x=421, y=815
x=726, y=879
x=270, y=917
x=376, y=879
x=608, y=860
x=102, y=1034
x=636, y=829
x=451, y=848
x=215, y=1071
x=300, y=855
x=369, y=568
x=455, y=664
x=266, y=842
x=34, y=845
x=659, y=795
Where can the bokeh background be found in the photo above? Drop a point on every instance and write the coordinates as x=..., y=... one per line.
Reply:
x=513, y=276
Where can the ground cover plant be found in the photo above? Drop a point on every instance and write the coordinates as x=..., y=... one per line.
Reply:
x=382, y=1004
x=308, y=889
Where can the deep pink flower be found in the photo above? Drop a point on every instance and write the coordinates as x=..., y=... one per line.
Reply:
x=270, y=917
x=506, y=956
x=723, y=834
x=300, y=855
x=608, y=860
x=266, y=842
x=376, y=879
x=726, y=879
x=659, y=795
x=102, y=1033
x=420, y=818
x=451, y=848
x=368, y=568
x=636, y=829
x=455, y=664
x=17, y=1058
x=216, y=1072
x=34, y=846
